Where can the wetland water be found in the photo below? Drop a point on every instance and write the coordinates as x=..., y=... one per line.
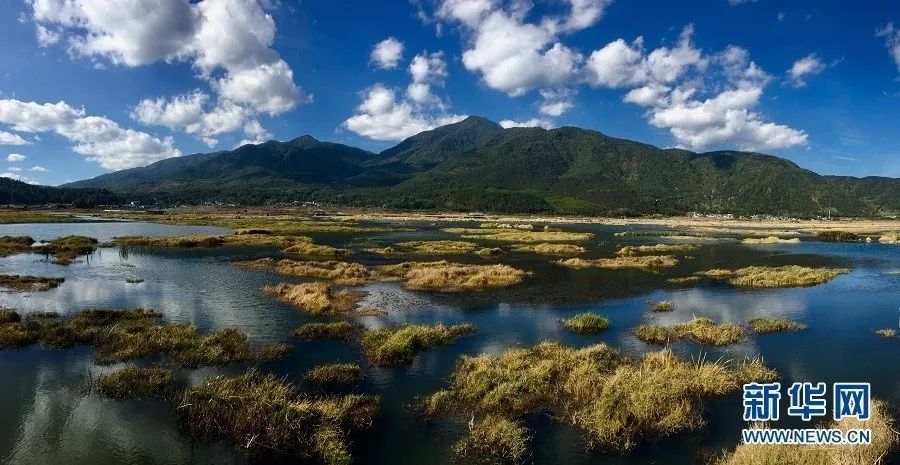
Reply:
x=49, y=415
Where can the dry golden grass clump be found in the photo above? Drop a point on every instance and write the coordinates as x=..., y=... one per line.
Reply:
x=11, y=245
x=29, y=283
x=381, y=250
x=631, y=250
x=66, y=249
x=524, y=227
x=315, y=298
x=445, y=276
x=298, y=245
x=515, y=235
x=664, y=306
x=643, y=262
x=486, y=252
x=333, y=330
x=262, y=413
x=274, y=351
x=133, y=382
x=547, y=248
x=890, y=238
x=399, y=346
x=770, y=240
x=313, y=249
x=764, y=325
x=586, y=323
x=438, y=247
x=616, y=402
x=335, y=373
x=346, y=273
x=884, y=443
x=493, y=440
x=887, y=333
x=702, y=330
x=774, y=276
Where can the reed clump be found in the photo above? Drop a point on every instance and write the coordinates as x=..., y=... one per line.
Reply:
x=333, y=330
x=438, y=247
x=616, y=402
x=586, y=323
x=66, y=249
x=315, y=298
x=642, y=262
x=770, y=240
x=335, y=373
x=518, y=235
x=399, y=346
x=444, y=276
x=493, y=440
x=884, y=444
x=338, y=272
x=887, y=333
x=632, y=250
x=134, y=382
x=701, y=330
x=263, y=413
x=547, y=248
x=662, y=307
x=837, y=236
x=29, y=283
x=774, y=276
x=766, y=325
x=11, y=245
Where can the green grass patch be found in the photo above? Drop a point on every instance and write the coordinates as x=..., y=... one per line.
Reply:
x=11, y=245
x=837, y=236
x=586, y=323
x=702, y=330
x=547, y=248
x=399, y=346
x=66, y=249
x=29, y=283
x=333, y=330
x=765, y=325
x=335, y=373
x=663, y=307
x=493, y=440
x=133, y=382
x=774, y=276
x=437, y=247
x=658, y=249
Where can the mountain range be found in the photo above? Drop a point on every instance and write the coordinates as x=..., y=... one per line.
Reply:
x=476, y=165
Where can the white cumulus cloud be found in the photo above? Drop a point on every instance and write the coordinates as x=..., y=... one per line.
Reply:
x=14, y=157
x=387, y=53
x=804, y=67
x=891, y=35
x=529, y=123
x=8, y=138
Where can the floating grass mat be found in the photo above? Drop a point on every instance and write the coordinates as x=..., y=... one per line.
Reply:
x=121, y=335
x=643, y=262
x=774, y=276
x=702, y=330
x=887, y=333
x=884, y=444
x=437, y=247
x=335, y=373
x=334, y=330
x=515, y=235
x=338, y=272
x=29, y=283
x=264, y=414
x=316, y=298
x=297, y=245
x=770, y=240
x=493, y=440
x=389, y=347
x=445, y=276
x=547, y=248
x=586, y=323
x=633, y=250
x=765, y=325
x=11, y=245
x=66, y=249
x=616, y=402
x=663, y=307
x=134, y=382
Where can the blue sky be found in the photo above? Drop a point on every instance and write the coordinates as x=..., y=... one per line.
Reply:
x=86, y=88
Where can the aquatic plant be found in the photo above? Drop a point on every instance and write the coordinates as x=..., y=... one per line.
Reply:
x=388, y=347
x=445, y=276
x=586, y=323
x=66, y=249
x=664, y=306
x=547, y=248
x=333, y=330
x=774, y=276
x=684, y=280
x=770, y=240
x=335, y=373
x=837, y=236
x=260, y=412
x=274, y=351
x=643, y=262
x=315, y=298
x=134, y=382
x=297, y=245
x=438, y=247
x=766, y=325
x=29, y=283
x=632, y=250
x=884, y=443
x=615, y=401
x=312, y=249
x=11, y=245
x=517, y=235
x=493, y=440
x=702, y=330
x=887, y=333
x=346, y=273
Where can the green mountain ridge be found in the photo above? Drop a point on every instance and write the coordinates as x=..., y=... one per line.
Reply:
x=476, y=165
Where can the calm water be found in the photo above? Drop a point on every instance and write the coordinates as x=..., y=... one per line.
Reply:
x=48, y=414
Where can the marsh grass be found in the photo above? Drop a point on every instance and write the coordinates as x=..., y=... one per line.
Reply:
x=616, y=402
x=701, y=330
x=134, y=382
x=335, y=373
x=643, y=262
x=884, y=444
x=386, y=251
x=274, y=351
x=765, y=325
x=774, y=276
x=388, y=347
x=445, y=276
x=662, y=307
x=29, y=283
x=887, y=333
x=262, y=413
x=296, y=245
x=547, y=248
x=66, y=249
x=632, y=250
x=890, y=238
x=316, y=298
x=18, y=216
x=684, y=280
x=338, y=272
x=487, y=252
x=437, y=247
x=586, y=323
x=11, y=245
x=770, y=240
x=837, y=236
x=333, y=330
x=517, y=235
x=493, y=440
